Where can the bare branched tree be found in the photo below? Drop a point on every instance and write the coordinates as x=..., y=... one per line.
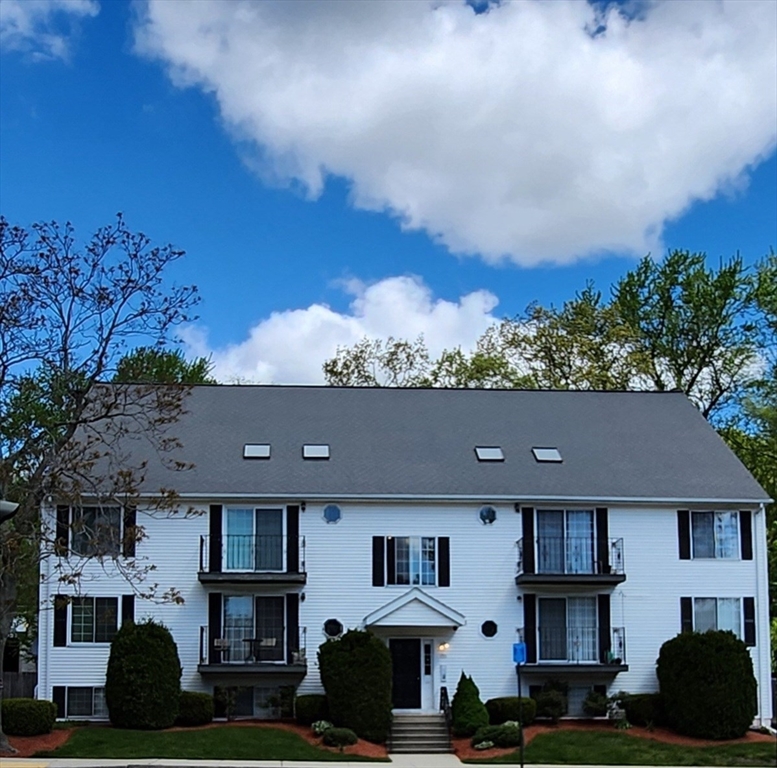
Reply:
x=68, y=314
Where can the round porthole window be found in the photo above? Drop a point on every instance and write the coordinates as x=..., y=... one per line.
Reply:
x=487, y=515
x=333, y=628
x=488, y=628
x=332, y=513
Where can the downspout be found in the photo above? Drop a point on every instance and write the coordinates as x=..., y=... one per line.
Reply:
x=765, y=635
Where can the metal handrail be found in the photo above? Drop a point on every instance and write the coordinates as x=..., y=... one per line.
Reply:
x=577, y=645
x=445, y=706
x=572, y=555
x=249, y=553
x=255, y=649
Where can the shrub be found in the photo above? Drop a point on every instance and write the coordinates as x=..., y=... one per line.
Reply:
x=321, y=726
x=194, y=709
x=310, y=708
x=707, y=685
x=596, y=704
x=551, y=704
x=506, y=708
x=467, y=710
x=339, y=737
x=28, y=717
x=505, y=735
x=356, y=674
x=143, y=679
x=643, y=708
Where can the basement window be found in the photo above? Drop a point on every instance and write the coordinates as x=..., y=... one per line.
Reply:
x=256, y=451
x=489, y=453
x=315, y=451
x=547, y=455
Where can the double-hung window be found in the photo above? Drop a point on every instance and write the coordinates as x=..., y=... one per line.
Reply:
x=715, y=534
x=415, y=560
x=96, y=531
x=723, y=613
x=93, y=619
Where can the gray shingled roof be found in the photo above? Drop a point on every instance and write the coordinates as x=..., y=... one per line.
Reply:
x=420, y=443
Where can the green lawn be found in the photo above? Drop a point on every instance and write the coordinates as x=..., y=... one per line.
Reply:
x=225, y=743
x=602, y=748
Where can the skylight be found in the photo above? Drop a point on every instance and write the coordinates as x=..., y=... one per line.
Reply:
x=315, y=451
x=547, y=455
x=489, y=453
x=256, y=451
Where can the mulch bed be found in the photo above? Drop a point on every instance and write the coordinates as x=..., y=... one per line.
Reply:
x=464, y=751
x=27, y=746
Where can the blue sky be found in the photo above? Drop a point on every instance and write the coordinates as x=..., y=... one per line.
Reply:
x=336, y=170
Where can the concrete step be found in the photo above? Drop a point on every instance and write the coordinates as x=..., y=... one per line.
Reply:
x=421, y=734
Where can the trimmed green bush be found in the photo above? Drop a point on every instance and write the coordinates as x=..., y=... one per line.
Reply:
x=468, y=713
x=505, y=735
x=28, y=717
x=596, y=704
x=505, y=708
x=551, y=704
x=356, y=674
x=643, y=708
x=310, y=708
x=194, y=709
x=143, y=679
x=707, y=685
x=339, y=737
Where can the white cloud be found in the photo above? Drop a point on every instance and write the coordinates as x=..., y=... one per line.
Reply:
x=514, y=132
x=290, y=347
x=41, y=28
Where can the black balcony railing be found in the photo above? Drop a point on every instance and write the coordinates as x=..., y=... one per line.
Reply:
x=578, y=645
x=571, y=556
x=238, y=553
x=273, y=646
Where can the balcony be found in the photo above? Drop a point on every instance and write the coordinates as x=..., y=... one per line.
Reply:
x=570, y=560
x=279, y=652
x=579, y=650
x=249, y=559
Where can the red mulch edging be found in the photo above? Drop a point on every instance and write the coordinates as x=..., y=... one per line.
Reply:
x=27, y=746
x=464, y=750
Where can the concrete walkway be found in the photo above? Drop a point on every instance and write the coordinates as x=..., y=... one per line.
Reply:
x=400, y=761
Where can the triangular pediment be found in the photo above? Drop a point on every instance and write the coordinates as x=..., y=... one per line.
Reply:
x=415, y=608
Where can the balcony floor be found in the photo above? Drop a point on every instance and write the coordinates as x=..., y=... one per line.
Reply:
x=251, y=577
x=573, y=667
x=602, y=579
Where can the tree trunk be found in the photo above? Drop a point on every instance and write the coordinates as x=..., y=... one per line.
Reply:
x=7, y=601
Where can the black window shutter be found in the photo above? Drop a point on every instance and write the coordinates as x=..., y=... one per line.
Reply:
x=746, y=534
x=127, y=608
x=63, y=530
x=684, y=533
x=391, y=560
x=748, y=609
x=292, y=538
x=214, y=627
x=214, y=549
x=602, y=541
x=527, y=519
x=292, y=626
x=60, y=622
x=378, y=561
x=530, y=627
x=58, y=697
x=444, y=564
x=129, y=539
x=605, y=638
x=686, y=614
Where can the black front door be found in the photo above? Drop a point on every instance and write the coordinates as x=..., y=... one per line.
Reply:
x=406, y=673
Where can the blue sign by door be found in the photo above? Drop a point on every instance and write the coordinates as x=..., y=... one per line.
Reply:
x=519, y=653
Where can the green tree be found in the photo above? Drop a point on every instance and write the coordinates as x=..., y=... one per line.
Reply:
x=68, y=313
x=153, y=365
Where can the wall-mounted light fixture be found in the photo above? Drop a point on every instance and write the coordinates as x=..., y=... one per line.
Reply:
x=303, y=505
x=443, y=647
